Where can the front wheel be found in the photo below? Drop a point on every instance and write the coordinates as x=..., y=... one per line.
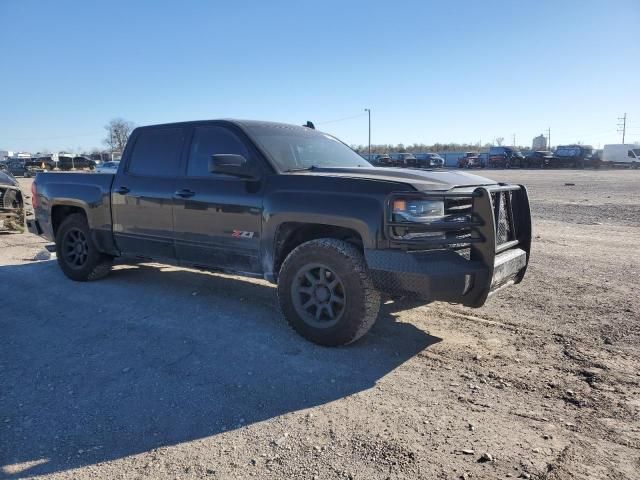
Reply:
x=326, y=294
x=77, y=254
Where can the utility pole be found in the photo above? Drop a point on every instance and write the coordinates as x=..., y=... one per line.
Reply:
x=549, y=138
x=622, y=127
x=368, y=110
x=514, y=140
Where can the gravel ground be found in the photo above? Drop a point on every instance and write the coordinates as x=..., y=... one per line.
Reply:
x=164, y=372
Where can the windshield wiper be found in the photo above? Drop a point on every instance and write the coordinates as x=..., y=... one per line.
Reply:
x=301, y=169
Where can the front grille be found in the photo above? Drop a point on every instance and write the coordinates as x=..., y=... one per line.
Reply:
x=466, y=225
x=2, y=197
x=459, y=210
x=503, y=216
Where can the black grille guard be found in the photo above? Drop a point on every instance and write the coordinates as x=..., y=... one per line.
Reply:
x=479, y=232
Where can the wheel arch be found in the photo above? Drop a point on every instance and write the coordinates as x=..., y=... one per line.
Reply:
x=60, y=212
x=290, y=235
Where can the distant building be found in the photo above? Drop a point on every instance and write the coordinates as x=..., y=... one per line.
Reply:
x=539, y=143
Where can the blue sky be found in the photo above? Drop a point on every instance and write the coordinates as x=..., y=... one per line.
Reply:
x=431, y=71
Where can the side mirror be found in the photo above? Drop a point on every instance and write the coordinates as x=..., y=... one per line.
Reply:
x=230, y=164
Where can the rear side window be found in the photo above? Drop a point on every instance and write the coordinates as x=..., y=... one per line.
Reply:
x=156, y=152
x=212, y=140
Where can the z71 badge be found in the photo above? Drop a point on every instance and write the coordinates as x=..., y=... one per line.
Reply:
x=242, y=234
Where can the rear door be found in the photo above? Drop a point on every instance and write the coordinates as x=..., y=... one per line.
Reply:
x=217, y=217
x=143, y=191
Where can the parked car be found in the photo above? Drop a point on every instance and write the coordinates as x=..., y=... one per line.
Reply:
x=11, y=203
x=16, y=167
x=379, y=160
x=75, y=163
x=300, y=209
x=574, y=156
x=403, y=160
x=107, y=167
x=621, y=154
x=505, y=157
x=429, y=160
x=45, y=162
x=471, y=160
x=540, y=159
x=383, y=160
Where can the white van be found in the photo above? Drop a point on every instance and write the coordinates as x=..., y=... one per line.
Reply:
x=620, y=153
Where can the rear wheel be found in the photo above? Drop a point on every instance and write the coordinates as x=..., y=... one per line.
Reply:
x=326, y=293
x=77, y=254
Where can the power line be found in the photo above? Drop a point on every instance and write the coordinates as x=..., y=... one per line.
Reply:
x=622, y=127
x=341, y=119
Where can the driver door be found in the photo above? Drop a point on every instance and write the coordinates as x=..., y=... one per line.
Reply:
x=217, y=217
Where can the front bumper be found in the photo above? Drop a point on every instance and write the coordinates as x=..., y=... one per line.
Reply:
x=436, y=269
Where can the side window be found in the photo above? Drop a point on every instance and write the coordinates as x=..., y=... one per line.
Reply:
x=156, y=152
x=212, y=140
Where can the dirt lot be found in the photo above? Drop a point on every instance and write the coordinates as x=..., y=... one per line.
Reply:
x=170, y=373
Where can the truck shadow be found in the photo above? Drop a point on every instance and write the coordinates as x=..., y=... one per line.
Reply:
x=154, y=356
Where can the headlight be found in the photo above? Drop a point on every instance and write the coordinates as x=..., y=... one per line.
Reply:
x=417, y=210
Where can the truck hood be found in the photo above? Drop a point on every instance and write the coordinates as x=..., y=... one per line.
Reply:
x=422, y=180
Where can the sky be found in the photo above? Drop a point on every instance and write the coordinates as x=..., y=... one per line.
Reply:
x=430, y=71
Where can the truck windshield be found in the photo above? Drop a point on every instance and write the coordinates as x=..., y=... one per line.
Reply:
x=636, y=151
x=294, y=148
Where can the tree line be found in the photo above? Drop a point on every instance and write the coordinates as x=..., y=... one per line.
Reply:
x=421, y=147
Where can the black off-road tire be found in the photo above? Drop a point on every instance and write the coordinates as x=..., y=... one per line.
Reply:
x=346, y=263
x=96, y=264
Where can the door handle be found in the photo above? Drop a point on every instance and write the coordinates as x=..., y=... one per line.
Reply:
x=122, y=190
x=184, y=193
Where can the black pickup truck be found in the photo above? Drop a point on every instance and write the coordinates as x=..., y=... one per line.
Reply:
x=294, y=206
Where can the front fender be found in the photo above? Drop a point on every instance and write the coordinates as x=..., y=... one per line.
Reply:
x=360, y=213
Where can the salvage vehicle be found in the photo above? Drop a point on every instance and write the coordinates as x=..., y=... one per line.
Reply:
x=16, y=167
x=45, y=162
x=505, y=157
x=429, y=160
x=540, y=159
x=107, y=167
x=296, y=207
x=75, y=163
x=574, y=156
x=382, y=160
x=471, y=160
x=11, y=203
x=403, y=160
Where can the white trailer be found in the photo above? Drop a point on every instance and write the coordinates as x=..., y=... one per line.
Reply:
x=622, y=153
